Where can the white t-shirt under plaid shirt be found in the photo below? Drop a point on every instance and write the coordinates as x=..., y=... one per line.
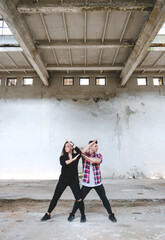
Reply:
x=91, y=173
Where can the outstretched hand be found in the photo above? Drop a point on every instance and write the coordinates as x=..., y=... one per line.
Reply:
x=75, y=157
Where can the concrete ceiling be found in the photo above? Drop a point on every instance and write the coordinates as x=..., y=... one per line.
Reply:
x=72, y=35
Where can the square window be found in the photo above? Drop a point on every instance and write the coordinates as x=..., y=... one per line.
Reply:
x=142, y=81
x=68, y=81
x=27, y=81
x=158, y=81
x=100, y=81
x=11, y=81
x=84, y=81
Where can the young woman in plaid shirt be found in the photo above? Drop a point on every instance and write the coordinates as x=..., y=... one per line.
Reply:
x=92, y=178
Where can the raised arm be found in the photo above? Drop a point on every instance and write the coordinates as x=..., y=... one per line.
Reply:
x=64, y=162
x=72, y=160
x=85, y=149
x=74, y=147
x=92, y=160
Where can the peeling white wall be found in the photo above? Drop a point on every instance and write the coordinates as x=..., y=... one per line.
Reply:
x=34, y=125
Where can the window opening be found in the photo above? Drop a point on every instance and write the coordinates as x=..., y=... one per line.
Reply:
x=11, y=81
x=142, y=81
x=84, y=81
x=27, y=81
x=100, y=81
x=158, y=81
x=68, y=81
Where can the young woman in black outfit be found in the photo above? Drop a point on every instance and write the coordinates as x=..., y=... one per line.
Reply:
x=69, y=177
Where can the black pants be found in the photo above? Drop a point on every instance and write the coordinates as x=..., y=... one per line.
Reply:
x=100, y=191
x=61, y=186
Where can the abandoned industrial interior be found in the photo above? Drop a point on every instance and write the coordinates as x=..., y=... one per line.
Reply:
x=81, y=70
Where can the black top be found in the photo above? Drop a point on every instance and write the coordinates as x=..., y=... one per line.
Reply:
x=69, y=172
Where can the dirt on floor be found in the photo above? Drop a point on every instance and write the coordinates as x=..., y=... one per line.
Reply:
x=140, y=219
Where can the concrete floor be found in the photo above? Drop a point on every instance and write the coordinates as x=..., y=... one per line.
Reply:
x=139, y=205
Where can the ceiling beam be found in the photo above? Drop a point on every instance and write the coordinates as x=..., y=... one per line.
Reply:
x=100, y=68
x=81, y=45
x=121, y=37
x=144, y=59
x=4, y=69
x=17, y=25
x=85, y=26
x=48, y=36
x=103, y=36
x=10, y=59
x=84, y=68
x=80, y=68
x=18, y=69
x=24, y=58
x=154, y=23
x=162, y=55
x=78, y=6
x=150, y=68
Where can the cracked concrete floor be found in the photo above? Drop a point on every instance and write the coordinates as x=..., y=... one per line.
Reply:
x=140, y=219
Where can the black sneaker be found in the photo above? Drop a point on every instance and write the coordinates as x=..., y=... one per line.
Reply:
x=83, y=219
x=71, y=217
x=112, y=218
x=45, y=217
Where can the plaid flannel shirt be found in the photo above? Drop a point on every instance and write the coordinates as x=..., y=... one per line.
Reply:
x=96, y=168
